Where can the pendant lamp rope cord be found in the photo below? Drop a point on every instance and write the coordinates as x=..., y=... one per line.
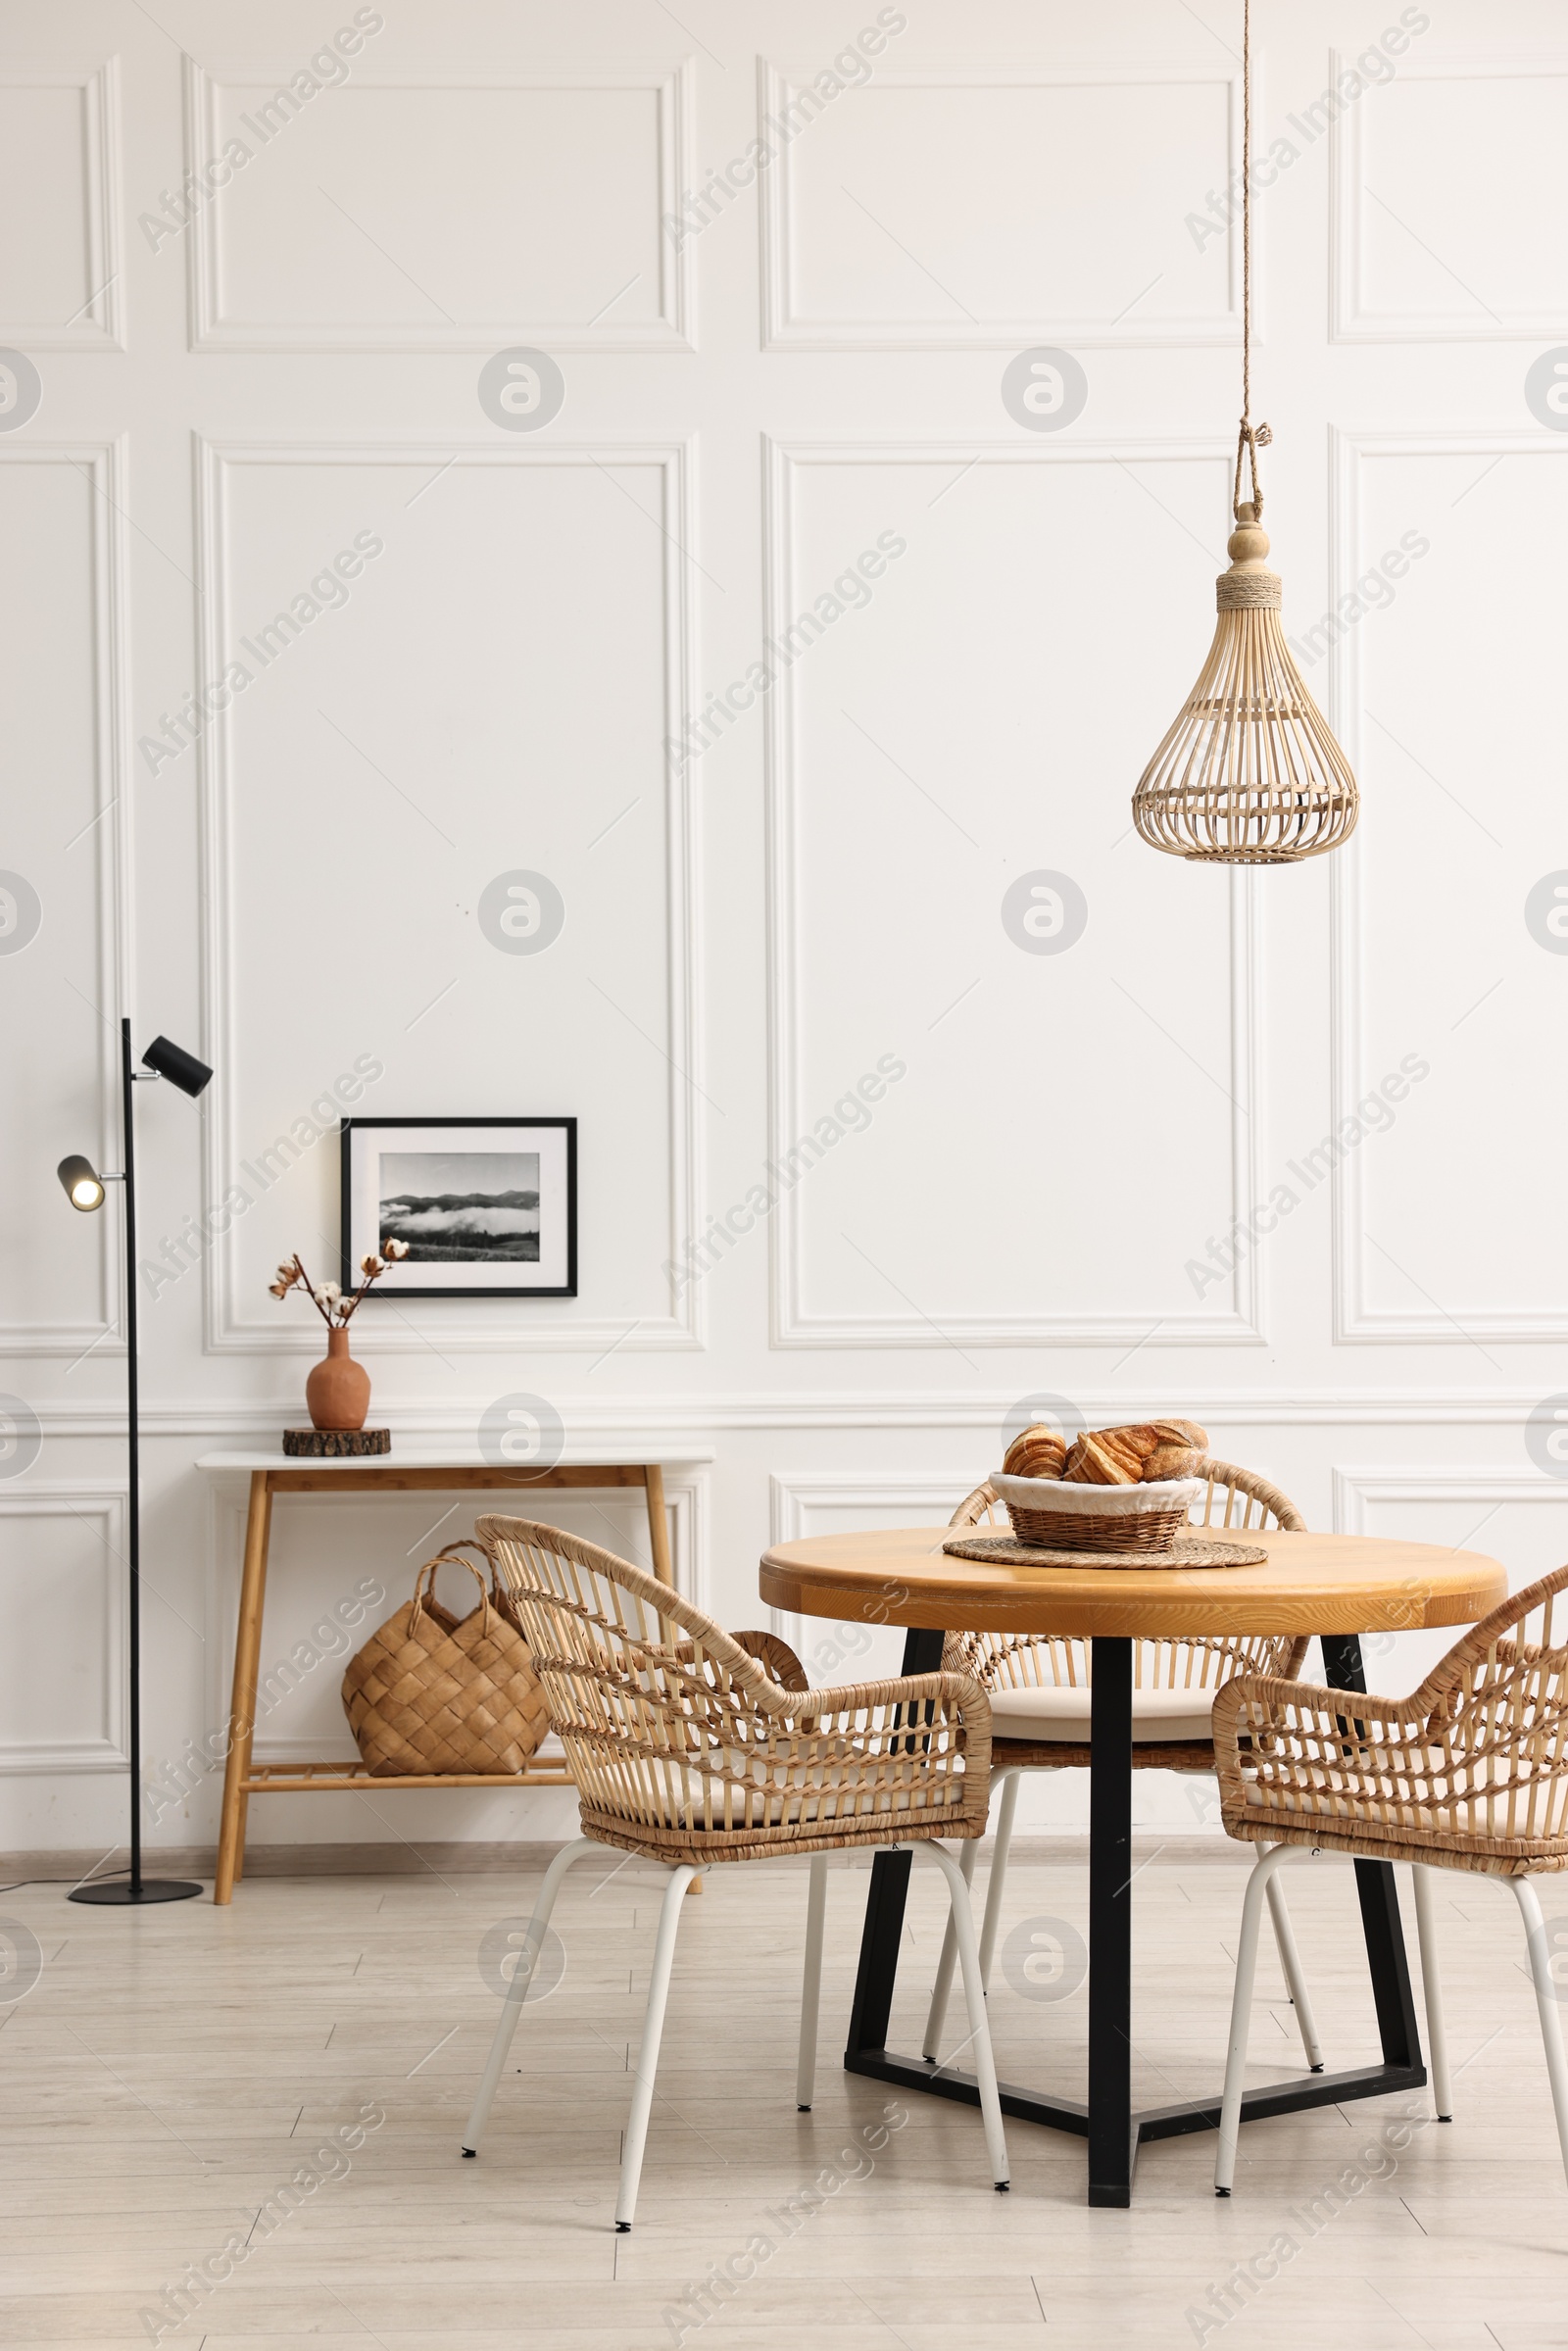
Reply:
x=1251, y=439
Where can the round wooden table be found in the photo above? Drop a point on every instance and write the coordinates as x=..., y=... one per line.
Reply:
x=1335, y=1586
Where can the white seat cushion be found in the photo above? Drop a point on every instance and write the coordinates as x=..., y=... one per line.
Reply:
x=1061, y=1712
x=1478, y=1816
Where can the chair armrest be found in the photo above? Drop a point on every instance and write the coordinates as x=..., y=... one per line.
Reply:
x=867, y=1762
x=901, y=1701
x=1287, y=1747
x=1268, y=1694
x=772, y=1651
x=915, y=1726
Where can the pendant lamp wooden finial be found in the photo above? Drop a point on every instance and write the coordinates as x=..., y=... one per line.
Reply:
x=1249, y=774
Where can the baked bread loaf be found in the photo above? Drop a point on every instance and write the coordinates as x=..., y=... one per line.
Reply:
x=1183, y=1432
x=1177, y=1460
x=1038, y=1454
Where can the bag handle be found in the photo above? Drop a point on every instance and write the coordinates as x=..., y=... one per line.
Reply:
x=450, y=1553
x=502, y=1594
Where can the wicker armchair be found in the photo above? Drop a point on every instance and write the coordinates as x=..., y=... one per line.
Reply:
x=1468, y=1773
x=1039, y=1687
x=691, y=1749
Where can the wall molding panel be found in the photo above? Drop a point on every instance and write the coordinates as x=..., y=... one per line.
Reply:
x=98, y=323
x=1466, y=317
x=1243, y=1047
x=228, y=1327
x=1355, y=1490
x=104, y=845
x=101, y=1510
x=786, y=326
x=215, y=327
x=790, y=1499
x=1354, y=1318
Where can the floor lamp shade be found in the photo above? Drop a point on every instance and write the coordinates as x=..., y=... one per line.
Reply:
x=85, y=1186
x=172, y=1061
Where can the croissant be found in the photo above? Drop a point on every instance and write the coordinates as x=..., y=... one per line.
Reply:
x=1138, y=1437
x=1038, y=1454
x=1128, y=1448
x=1094, y=1460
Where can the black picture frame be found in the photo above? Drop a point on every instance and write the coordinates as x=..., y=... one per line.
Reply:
x=406, y=1279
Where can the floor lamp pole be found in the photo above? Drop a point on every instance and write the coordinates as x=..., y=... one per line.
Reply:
x=137, y=1888
x=127, y=1083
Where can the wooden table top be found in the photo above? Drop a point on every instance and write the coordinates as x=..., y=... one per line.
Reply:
x=419, y=1469
x=412, y=1455
x=1309, y=1584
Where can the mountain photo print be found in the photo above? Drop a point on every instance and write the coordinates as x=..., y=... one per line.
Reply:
x=484, y=1207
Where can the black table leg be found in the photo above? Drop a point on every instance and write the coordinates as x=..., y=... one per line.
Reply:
x=884, y=1910
x=1112, y=2131
x=1110, y=1914
x=1381, y=1923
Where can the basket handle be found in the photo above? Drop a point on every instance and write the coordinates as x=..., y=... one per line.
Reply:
x=452, y=1551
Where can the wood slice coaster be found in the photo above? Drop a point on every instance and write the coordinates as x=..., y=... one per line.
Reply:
x=336, y=1445
x=1191, y=1550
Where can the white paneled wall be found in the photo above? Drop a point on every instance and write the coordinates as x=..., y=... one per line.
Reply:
x=793, y=653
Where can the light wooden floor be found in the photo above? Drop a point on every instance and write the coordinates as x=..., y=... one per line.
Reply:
x=170, y=2067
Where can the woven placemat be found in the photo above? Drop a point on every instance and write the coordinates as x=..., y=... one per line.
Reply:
x=1191, y=1550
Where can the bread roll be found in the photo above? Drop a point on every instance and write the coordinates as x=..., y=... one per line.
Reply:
x=1038, y=1454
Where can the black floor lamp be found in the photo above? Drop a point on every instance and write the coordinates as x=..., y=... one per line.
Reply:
x=85, y=1188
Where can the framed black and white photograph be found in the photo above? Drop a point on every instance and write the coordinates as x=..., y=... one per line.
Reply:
x=486, y=1207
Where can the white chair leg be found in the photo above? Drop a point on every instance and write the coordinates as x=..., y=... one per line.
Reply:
x=1425, y=1935
x=642, y=2097
x=812, y=1989
x=1230, y=2117
x=1010, y=1783
x=937, y=2013
x=975, y=2000
x=519, y=1988
x=1290, y=1962
x=1549, y=1994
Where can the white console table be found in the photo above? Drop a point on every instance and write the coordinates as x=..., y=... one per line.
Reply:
x=413, y=1470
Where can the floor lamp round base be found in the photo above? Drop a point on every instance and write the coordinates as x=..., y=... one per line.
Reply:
x=151, y=1890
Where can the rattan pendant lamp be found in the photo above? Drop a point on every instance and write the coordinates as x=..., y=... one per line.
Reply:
x=1249, y=774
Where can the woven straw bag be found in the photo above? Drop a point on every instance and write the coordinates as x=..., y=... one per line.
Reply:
x=429, y=1692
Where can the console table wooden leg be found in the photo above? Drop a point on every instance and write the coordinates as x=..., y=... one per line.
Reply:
x=659, y=1524
x=242, y=1707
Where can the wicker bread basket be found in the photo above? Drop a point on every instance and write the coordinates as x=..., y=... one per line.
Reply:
x=1058, y=1517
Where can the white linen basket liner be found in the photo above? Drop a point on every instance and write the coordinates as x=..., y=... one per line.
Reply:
x=1096, y=1501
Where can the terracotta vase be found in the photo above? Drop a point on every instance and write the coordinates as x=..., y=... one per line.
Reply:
x=338, y=1390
